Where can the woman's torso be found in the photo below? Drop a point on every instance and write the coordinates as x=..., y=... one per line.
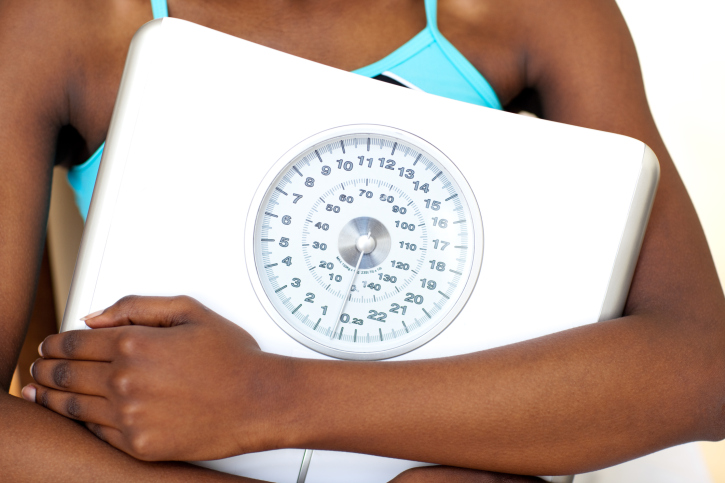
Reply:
x=427, y=61
x=364, y=33
x=484, y=32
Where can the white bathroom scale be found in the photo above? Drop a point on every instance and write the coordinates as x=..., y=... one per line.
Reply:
x=335, y=216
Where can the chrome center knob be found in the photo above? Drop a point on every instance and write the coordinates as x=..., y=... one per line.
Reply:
x=366, y=244
x=354, y=240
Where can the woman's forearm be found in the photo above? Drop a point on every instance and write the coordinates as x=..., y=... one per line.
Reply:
x=567, y=403
x=39, y=445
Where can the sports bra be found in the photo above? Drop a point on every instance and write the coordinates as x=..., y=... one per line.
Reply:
x=428, y=62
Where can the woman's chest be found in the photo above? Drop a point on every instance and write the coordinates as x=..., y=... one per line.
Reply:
x=343, y=34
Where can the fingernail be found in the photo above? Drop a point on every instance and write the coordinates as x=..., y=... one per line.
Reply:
x=31, y=370
x=90, y=316
x=29, y=393
x=40, y=349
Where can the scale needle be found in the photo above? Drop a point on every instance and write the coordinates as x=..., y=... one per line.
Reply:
x=352, y=279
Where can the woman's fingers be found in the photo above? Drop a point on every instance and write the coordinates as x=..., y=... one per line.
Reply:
x=92, y=409
x=149, y=311
x=82, y=377
x=159, y=363
x=88, y=345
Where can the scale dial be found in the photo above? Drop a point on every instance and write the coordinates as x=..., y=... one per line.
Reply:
x=371, y=197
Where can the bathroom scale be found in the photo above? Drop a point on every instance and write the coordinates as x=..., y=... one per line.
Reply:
x=335, y=216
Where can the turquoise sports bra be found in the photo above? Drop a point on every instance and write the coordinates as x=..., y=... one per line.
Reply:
x=428, y=62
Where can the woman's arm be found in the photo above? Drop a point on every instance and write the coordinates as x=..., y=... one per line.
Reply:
x=30, y=116
x=38, y=445
x=35, y=63
x=566, y=403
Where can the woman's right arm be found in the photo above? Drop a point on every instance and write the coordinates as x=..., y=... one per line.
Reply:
x=36, y=61
x=39, y=445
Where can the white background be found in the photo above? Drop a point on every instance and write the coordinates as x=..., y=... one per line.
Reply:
x=681, y=47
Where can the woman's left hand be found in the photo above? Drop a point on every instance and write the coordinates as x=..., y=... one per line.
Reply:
x=165, y=379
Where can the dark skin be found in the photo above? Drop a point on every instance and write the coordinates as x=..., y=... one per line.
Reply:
x=567, y=403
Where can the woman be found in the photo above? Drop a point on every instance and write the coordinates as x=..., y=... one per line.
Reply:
x=642, y=382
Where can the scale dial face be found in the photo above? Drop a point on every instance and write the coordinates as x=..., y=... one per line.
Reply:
x=381, y=200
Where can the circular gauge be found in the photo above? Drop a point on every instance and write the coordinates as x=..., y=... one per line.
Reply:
x=366, y=242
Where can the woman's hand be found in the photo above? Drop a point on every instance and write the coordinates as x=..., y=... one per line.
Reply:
x=450, y=474
x=164, y=379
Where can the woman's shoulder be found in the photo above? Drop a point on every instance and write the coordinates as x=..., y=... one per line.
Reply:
x=64, y=59
x=517, y=43
x=48, y=29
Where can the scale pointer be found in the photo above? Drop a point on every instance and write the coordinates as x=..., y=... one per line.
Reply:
x=364, y=246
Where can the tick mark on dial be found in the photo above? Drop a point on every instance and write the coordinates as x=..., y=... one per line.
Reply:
x=434, y=178
x=446, y=296
x=271, y=214
x=297, y=170
x=394, y=146
x=298, y=307
x=381, y=334
x=267, y=239
x=459, y=221
x=342, y=145
x=270, y=265
x=318, y=323
x=426, y=313
x=318, y=155
x=405, y=327
x=457, y=273
x=281, y=288
x=451, y=197
x=417, y=159
x=281, y=191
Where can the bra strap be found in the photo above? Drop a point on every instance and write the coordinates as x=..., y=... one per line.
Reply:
x=159, y=8
x=431, y=12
